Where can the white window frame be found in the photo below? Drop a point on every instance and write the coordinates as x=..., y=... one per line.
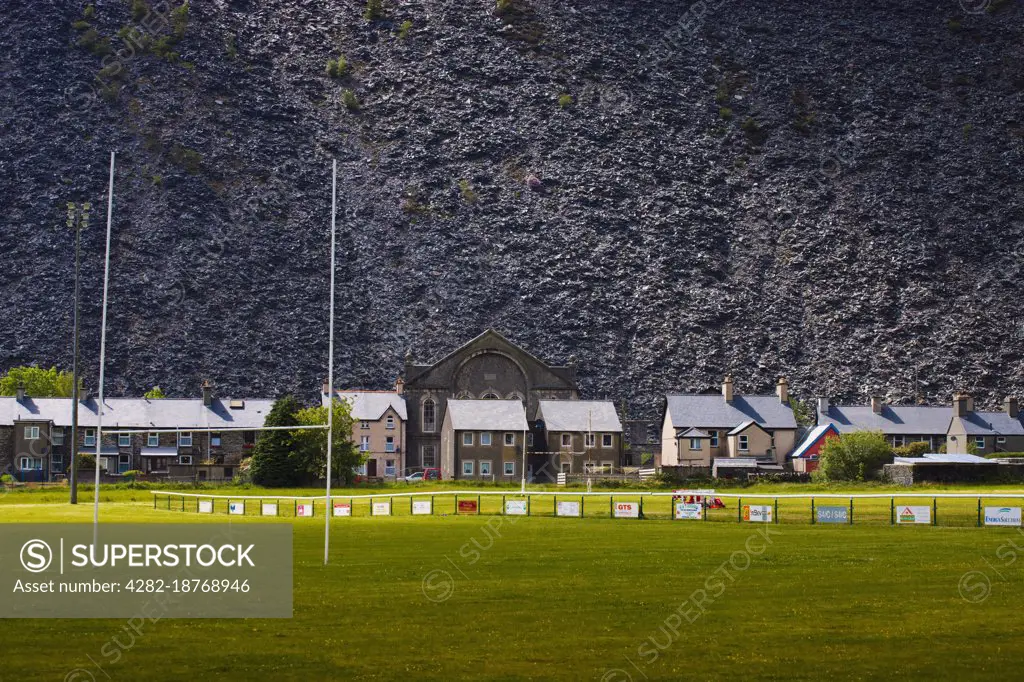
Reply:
x=485, y=438
x=589, y=440
x=468, y=467
x=1001, y=440
x=152, y=440
x=743, y=443
x=607, y=440
x=695, y=444
x=510, y=439
x=215, y=440
x=89, y=438
x=389, y=423
x=429, y=425
x=389, y=469
x=124, y=461
x=31, y=433
x=364, y=425
x=389, y=444
x=467, y=437
x=424, y=449
x=57, y=435
x=124, y=440
x=714, y=438
x=185, y=439
x=979, y=442
x=25, y=462
x=57, y=460
x=509, y=468
x=567, y=440
x=607, y=467
x=364, y=444
x=485, y=464
x=185, y=459
x=565, y=467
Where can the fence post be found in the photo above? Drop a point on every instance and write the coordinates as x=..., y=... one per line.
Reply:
x=851, y=511
x=502, y=505
x=776, y=514
x=892, y=510
x=611, y=506
x=456, y=505
x=295, y=508
x=582, y=498
x=478, y=505
x=813, y=520
x=935, y=511
x=739, y=510
x=979, y=512
x=154, y=501
x=641, y=506
x=554, y=505
x=528, y=498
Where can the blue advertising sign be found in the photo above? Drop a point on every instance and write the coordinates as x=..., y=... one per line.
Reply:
x=832, y=515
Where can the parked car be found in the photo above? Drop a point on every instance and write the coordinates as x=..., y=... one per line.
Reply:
x=425, y=475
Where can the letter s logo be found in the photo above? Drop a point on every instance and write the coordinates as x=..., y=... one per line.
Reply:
x=36, y=556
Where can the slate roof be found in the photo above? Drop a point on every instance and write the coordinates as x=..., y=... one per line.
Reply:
x=694, y=433
x=742, y=427
x=579, y=415
x=711, y=410
x=893, y=420
x=487, y=415
x=168, y=413
x=991, y=424
x=371, y=405
x=812, y=437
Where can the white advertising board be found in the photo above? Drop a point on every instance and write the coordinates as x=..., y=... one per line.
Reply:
x=381, y=509
x=1002, y=516
x=269, y=509
x=342, y=509
x=515, y=507
x=205, y=506
x=626, y=510
x=912, y=514
x=689, y=511
x=757, y=513
x=421, y=507
x=237, y=508
x=567, y=509
x=305, y=509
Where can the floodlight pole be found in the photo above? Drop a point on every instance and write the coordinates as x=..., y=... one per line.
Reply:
x=78, y=226
x=330, y=365
x=103, y=354
x=523, y=472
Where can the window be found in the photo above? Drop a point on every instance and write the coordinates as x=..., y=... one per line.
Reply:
x=57, y=434
x=215, y=440
x=485, y=438
x=389, y=444
x=529, y=440
x=606, y=440
x=90, y=437
x=714, y=438
x=185, y=439
x=979, y=442
x=124, y=440
x=999, y=439
x=566, y=440
x=588, y=440
x=510, y=468
x=429, y=415
x=467, y=467
x=695, y=443
x=589, y=467
x=389, y=423
x=467, y=437
x=364, y=444
x=389, y=467
x=510, y=439
x=185, y=459
x=607, y=467
x=485, y=467
x=566, y=467
x=57, y=461
x=124, y=463
x=31, y=433
x=364, y=425
x=898, y=441
x=229, y=472
x=153, y=440
x=248, y=439
x=427, y=453
x=744, y=443
x=30, y=463
x=490, y=395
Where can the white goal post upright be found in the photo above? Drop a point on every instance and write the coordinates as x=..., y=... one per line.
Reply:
x=103, y=356
x=330, y=364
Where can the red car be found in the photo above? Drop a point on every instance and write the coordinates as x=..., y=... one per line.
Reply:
x=425, y=475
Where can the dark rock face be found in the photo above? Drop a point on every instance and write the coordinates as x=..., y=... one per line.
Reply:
x=827, y=190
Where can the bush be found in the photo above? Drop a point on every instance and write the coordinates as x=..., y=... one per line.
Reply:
x=7, y=479
x=853, y=456
x=565, y=100
x=755, y=133
x=336, y=68
x=89, y=12
x=915, y=449
x=349, y=99
x=95, y=43
x=139, y=10
x=81, y=25
x=404, y=29
x=130, y=475
x=230, y=47
x=374, y=10
x=466, y=189
x=725, y=113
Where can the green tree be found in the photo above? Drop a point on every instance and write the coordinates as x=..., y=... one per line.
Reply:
x=310, y=454
x=853, y=456
x=802, y=412
x=272, y=464
x=39, y=382
x=155, y=393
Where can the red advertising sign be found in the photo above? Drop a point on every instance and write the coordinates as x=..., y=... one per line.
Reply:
x=467, y=506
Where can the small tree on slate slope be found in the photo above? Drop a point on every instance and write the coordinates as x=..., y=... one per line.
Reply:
x=272, y=464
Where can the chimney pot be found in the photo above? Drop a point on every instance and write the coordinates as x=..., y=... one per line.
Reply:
x=822, y=408
x=325, y=388
x=727, y=389
x=782, y=389
x=21, y=391
x=962, y=404
x=876, y=404
x=207, y=393
x=399, y=385
x=1010, y=404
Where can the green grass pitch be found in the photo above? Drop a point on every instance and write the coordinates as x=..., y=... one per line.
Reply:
x=489, y=598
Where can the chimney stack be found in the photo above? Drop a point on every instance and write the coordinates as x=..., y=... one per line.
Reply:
x=876, y=404
x=782, y=389
x=822, y=407
x=207, y=393
x=1010, y=404
x=962, y=404
x=727, y=389
x=21, y=391
x=325, y=388
x=399, y=385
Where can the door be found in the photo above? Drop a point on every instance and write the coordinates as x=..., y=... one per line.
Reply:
x=371, y=468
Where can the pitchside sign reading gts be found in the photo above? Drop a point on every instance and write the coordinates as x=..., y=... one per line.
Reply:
x=145, y=570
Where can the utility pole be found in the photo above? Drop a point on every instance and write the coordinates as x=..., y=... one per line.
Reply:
x=77, y=222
